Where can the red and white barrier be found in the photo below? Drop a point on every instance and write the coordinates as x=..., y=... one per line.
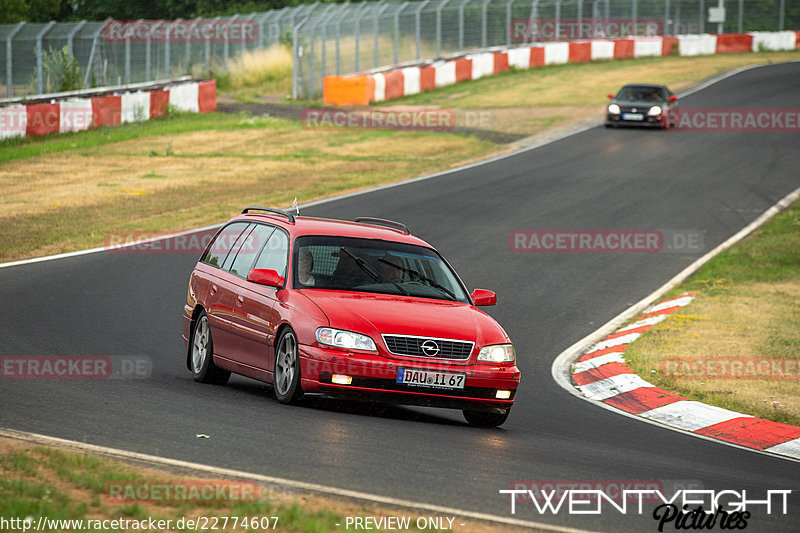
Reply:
x=72, y=114
x=773, y=40
x=403, y=81
x=602, y=50
x=647, y=47
x=697, y=45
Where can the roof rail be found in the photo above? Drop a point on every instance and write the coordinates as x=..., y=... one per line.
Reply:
x=383, y=222
x=271, y=210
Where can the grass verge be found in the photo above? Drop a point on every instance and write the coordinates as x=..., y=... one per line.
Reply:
x=60, y=485
x=737, y=345
x=64, y=193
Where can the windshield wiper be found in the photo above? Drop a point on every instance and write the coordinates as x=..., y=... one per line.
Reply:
x=369, y=270
x=416, y=274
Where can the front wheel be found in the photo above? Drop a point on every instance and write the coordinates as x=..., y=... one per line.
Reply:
x=287, y=369
x=485, y=420
x=203, y=368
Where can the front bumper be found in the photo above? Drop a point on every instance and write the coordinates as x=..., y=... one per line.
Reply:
x=374, y=377
x=647, y=121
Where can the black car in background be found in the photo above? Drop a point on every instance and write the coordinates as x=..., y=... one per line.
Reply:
x=642, y=104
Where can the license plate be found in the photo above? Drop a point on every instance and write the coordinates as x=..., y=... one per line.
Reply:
x=632, y=116
x=431, y=378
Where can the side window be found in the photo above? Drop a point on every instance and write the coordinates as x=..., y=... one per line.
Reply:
x=275, y=253
x=222, y=244
x=249, y=250
x=235, y=248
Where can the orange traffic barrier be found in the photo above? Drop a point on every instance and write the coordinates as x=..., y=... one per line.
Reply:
x=623, y=48
x=668, y=43
x=106, y=111
x=207, y=96
x=159, y=100
x=537, y=56
x=734, y=43
x=580, y=52
x=463, y=69
x=500, y=62
x=348, y=90
x=395, y=84
x=43, y=119
x=427, y=78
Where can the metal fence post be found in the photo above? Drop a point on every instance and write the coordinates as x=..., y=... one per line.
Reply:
x=508, y=22
x=666, y=18
x=127, y=58
x=703, y=18
x=461, y=24
x=741, y=16
x=10, y=60
x=534, y=19
x=781, y=15
x=91, y=54
x=439, y=8
x=418, y=31
x=558, y=20
x=634, y=13
x=580, y=19
x=397, y=31
x=39, y=37
x=71, y=37
x=483, y=23
x=379, y=9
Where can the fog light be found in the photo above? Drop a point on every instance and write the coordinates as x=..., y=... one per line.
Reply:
x=503, y=394
x=341, y=379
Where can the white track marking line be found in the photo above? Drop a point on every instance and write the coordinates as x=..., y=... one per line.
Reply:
x=691, y=415
x=652, y=321
x=791, y=448
x=595, y=362
x=669, y=304
x=297, y=485
x=613, y=386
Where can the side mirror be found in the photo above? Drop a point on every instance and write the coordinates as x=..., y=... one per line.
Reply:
x=266, y=277
x=673, y=98
x=610, y=96
x=483, y=297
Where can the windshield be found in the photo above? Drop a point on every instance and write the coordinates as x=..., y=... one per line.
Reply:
x=640, y=94
x=366, y=265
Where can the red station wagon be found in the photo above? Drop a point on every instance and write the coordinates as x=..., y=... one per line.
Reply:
x=360, y=309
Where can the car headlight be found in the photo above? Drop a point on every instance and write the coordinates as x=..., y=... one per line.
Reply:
x=613, y=109
x=654, y=111
x=345, y=339
x=498, y=353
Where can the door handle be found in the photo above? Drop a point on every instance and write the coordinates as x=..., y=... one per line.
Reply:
x=239, y=301
x=213, y=290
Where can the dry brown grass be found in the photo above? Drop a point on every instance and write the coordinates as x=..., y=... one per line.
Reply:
x=733, y=323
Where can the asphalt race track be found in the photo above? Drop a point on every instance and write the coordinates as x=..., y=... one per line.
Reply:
x=709, y=183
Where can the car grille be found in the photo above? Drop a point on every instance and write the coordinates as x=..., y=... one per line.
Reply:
x=428, y=347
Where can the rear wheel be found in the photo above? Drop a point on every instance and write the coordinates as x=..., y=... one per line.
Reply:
x=203, y=368
x=485, y=420
x=287, y=369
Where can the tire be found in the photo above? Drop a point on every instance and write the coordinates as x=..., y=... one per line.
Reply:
x=485, y=420
x=286, y=381
x=202, y=355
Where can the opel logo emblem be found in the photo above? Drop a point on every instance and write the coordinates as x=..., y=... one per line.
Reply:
x=430, y=348
x=634, y=110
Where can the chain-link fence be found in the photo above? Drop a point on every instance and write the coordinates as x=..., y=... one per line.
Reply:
x=343, y=38
x=346, y=38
